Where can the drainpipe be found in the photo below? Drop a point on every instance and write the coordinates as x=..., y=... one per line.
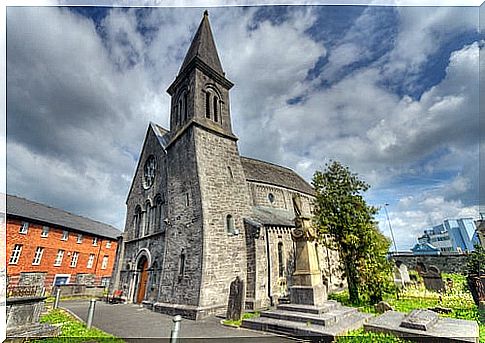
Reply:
x=268, y=259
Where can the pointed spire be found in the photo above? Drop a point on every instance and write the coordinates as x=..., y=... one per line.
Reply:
x=203, y=47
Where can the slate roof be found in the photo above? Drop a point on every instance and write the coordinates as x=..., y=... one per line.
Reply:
x=273, y=174
x=203, y=47
x=28, y=209
x=273, y=216
x=161, y=133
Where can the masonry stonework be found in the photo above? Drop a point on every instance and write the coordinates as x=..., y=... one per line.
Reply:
x=221, y=216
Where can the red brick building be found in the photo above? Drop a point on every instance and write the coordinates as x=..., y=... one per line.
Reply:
x=58, y=246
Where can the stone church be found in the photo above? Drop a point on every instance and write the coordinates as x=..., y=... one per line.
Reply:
x=199, y=214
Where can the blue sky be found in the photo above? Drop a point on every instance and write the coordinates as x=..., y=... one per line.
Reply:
x=390, y=91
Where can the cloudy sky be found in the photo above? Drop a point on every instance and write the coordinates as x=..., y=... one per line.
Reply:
x=390, y=91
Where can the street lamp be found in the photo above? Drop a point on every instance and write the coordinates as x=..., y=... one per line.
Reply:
x=390, y=227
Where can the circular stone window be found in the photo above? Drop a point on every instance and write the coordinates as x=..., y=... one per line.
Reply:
x=271, y=197
x=149, y=171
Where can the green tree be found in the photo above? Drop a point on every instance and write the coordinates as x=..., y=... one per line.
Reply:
x=476, y=261
x=342, y=213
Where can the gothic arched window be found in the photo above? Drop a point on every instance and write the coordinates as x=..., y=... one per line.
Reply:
x=158, y=222
x=185, y=107
x=148, y=215
x=229, y=224
x=207, y=104
x=137, y=221
x=216, y=103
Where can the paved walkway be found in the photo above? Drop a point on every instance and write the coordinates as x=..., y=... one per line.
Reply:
x=131, y=322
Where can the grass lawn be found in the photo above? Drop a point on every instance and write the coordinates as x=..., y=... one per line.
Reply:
x=72, y=330
x=458, y=299
x=239, y=322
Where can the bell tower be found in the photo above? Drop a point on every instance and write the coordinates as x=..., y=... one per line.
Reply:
x=200, y=93
x=207, y=193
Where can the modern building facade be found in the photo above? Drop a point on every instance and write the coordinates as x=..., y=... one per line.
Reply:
x=453, y=235
x=57, y=246
x=199, y=214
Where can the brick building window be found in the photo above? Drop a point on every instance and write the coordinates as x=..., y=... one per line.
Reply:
x=37, y=256
x=90, y=261
x=79, y=238
x=65, y=235
x=95, y=241
x=45, y=232
x=74, y=257
x=104, y=264
x=24, y=228
x=59, y=256
x=108, y=244
x=14, y=258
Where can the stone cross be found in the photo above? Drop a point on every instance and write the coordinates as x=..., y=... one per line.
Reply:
x=235, y=304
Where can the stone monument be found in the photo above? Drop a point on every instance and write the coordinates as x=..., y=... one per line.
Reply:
x=236, y=300
x=307, y=285
x=432, y=279
x=424, y=326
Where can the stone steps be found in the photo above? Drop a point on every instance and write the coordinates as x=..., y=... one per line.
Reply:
x=326, y=307
x=307, y=329
x=325, y=319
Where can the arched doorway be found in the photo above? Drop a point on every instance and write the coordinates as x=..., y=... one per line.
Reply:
x=142, y=279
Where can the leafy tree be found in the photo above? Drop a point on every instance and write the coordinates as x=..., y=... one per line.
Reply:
x=342, y=213
x=476, y=261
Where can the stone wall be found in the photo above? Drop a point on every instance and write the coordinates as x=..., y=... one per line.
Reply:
x=445, y=263
x=282, y=197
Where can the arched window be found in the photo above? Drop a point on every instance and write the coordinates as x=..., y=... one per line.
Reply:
x=281, y=264
x=182, y=264
x=179, y=116
x=158, y=222
x=148, y=214
x=185, y=107
x=230, y=224
x=216, y=103
x=207, y=104
x=137, y=221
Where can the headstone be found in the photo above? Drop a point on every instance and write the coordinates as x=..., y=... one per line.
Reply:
x=433, y=280
x=419, y=320
x=404, y=273
x=421, y=268
x=440, y=309
x=236, y=300
x=398, y=280
x=383, y=306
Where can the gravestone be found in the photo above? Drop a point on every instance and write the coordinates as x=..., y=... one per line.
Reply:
x=433, y=280
x=404, y=274
x=398, y=279
x=382, y=307
x=236, y=300
x=419, y=320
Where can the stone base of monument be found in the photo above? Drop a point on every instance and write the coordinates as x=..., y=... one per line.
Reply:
x=424, y=325
x=324, y=322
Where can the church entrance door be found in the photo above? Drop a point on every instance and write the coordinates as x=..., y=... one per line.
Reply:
x=142, y=279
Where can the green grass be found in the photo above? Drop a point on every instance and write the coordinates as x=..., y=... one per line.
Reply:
x=237, y=323
x=458, y=299
x=72, y=330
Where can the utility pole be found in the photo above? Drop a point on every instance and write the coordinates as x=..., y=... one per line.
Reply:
x=390, y=227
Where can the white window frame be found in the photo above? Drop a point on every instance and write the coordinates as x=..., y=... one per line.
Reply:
x=59, y=258
x=39, y=251
x=45, y=232
x=90, y=261
x=24, y=228
x=95, y=241
x=79, y=238
x=74, y=259
x=65, y=235
x=108, y=244
x=15, y=256
x=104, y=263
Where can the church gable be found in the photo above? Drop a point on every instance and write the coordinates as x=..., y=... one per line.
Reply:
x=148, y=187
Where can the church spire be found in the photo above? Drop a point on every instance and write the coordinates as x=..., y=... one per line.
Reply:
x=203, y=47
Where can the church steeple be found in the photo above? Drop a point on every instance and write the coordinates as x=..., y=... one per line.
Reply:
x=200, y=92
x=203, y=47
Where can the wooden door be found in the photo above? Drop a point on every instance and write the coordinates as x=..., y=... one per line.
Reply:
x=142, y=283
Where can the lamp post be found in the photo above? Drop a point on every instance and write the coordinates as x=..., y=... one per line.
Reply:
x=390, y=227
